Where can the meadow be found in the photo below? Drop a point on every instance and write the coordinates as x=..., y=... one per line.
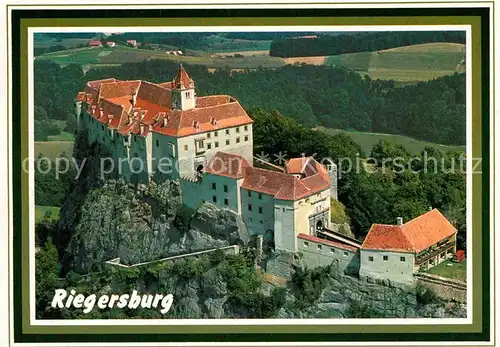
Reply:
x=410, y=63
x=53, y=149
x=97, y=57
x=50, y=212
x=366, y=140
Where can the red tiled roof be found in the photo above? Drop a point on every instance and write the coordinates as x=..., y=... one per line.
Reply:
x=229, y=165
x=414, y=236
x=296, y=165
x=181, y=123
x=327, y=242
x=387, y=237
x=153, y=105
x=80, y=96
x=182, y=80
x=284, y=186
x=95, y=43
x=212, y=100
x=428, y=229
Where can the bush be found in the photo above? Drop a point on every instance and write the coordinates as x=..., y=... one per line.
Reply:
x=183, y=218
x=337, y=212
x=309, y=285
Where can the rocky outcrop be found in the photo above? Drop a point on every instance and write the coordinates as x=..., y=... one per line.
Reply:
x=138, y=224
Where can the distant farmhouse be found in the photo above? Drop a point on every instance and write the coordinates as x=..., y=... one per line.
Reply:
x=208, y=145
x=132, y=43
x=111, y=44
x=95, y=43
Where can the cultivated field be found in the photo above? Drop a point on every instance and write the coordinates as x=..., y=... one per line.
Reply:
x=367, y=140
x=405, y=64
x=96, y=57
x=53, y=149
x=320, y=60
x=244, y=53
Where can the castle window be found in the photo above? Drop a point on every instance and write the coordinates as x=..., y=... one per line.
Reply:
x=386, y=257
x=238, y=129
x=249, y=207
x=261, y=222
x=226, y=202
x=332, y=250
x=369, y=258
x=246, y=137
x=157, y=143
x=214, y=198
x=209, y=145
x=260, y=196
x=188, y=95
x=227, y=142
x=346, y=254
x=320, y=247
x=227, y=131
x=225, y=188
x=249, y=194
x=216, y=144
x=260, y=210
x=237, y=140
x=216, y=133
x=214, y=186
x=402, y=259
x=208, y=135
x=246, y=127
x=306, y=244
x=185, y=147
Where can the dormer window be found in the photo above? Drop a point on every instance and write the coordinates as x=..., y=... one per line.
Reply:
x=188, y=95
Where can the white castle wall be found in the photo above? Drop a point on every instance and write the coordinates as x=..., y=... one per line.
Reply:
x=260, y=218
x=393, y=268
x=284, y=225
x=316, y=254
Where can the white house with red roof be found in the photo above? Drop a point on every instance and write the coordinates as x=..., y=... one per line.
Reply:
x=395, y=252
x=95, y=43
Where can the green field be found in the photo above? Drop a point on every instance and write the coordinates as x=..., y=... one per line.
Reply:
x=367, y=140
x=456, y=271
x=63, y=136
x=412, y=63
x=96, y=57
x=51, y=212
x=53, y=149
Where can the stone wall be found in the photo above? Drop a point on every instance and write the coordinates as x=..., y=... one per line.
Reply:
x=445, y=288
x=316, y=254
x=234, y=249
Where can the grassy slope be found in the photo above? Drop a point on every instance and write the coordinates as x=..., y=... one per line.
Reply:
x=367, y=140
x=123, y=54
x=411, y=63
x=456, y=271
x=53, y=149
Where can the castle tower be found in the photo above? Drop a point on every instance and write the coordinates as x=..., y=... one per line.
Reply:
x=333, y=173
x=183, y=91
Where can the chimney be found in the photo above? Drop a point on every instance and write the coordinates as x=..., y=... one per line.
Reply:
x=399, y=221
x=430, y=208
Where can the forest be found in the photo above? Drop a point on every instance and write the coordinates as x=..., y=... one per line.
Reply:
x=332, y=97
x=359, y=42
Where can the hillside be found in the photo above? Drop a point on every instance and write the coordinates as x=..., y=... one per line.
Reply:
x=367, y=140
x=410, y=63
x=120, y=54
